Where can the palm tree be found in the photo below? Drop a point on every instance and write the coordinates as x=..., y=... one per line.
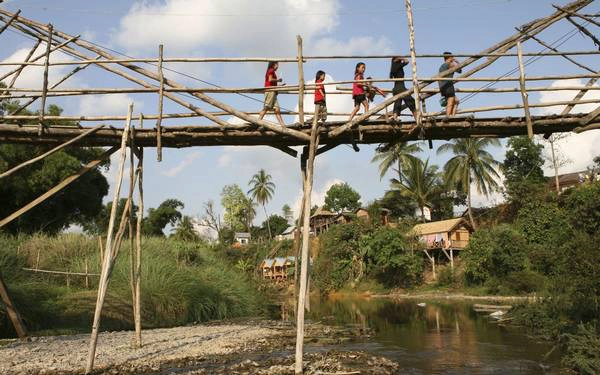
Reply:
x=471, y=164
x=388, y=154
x=419, y=183
x=262, y=189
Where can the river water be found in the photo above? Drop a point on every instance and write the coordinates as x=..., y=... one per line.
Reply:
x=443, y=337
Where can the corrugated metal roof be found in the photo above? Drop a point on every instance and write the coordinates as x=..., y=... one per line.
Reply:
x=242, y=235
x=268, y=263
x=443, y=226
x=279, y=262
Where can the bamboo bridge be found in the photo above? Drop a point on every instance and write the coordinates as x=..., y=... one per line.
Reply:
x=147, y=76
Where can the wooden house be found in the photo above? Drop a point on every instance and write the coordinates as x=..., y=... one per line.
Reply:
x=242, y=238
x=277, y=268
x=445, y=234
x=321, y=220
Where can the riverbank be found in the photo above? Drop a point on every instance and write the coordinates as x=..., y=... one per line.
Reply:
x=251, y=347
x=456, y=296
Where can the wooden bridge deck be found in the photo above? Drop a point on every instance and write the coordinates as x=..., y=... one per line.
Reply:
x=368, y=132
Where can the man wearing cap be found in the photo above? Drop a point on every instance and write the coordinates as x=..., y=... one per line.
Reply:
x=447, y=87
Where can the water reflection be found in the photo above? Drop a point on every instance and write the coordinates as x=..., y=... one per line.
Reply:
x=441, y=337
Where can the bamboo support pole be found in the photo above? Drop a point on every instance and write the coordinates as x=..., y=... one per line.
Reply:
x=524, y=94
x=314, y=143
x=588, y=86
x=13, y=313
x=132, y=176
x=138, y=245
x=413, y=59
x=101, y=250
x=584, y=31
x=7, y=24
x=45, y=82
x=88, y=167
x=300, y=82
x=87, y=277
x=22, y=67
x=108, y=261
x=46, y=154
x=566, y=57
x=161, y=81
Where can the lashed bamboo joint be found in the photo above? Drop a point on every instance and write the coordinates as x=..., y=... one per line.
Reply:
x=247, y=129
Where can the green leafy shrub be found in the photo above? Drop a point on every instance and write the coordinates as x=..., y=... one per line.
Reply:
x=582, y=206
x=582, y=349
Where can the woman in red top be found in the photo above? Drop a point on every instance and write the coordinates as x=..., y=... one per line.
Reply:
x=271, y=103
x=320, y=102
x=358, y=90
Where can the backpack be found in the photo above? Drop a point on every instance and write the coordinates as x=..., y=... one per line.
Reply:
x=443, y=101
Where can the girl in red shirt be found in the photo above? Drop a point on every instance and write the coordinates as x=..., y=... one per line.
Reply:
x=320, y=101
x=271, y=103
x=358, y=90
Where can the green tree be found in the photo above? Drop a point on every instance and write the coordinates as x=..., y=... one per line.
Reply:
x=78, y=203
x=276, y=224
x=396, y=153
x=286, y=210
x=184, y=231
x=582, y=205
x=99, y=224
x=261, y=190
x=239, y=209
x=341, y=197
x=419, y=183
x=399, y=205
x=158, y=218
x=471, y=163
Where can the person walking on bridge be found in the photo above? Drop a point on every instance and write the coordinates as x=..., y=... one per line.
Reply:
x=397, y=71
x=271, y=103
x=447, y=86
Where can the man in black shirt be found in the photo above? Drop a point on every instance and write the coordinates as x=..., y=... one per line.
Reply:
x=397, y=71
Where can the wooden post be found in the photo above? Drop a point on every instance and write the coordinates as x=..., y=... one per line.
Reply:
x=524, y=94
x=46, y=68
x=87, y=276
x=314, y=142
x=100, y=247
x=68, y=279
x=37, y=261
x=108, y=261
x=452, y=259
x=161, y=81
x=7, y=24
x=413, y=59
x=138, y=245
x=300, y=82
x=131, y=224
x=13, y=314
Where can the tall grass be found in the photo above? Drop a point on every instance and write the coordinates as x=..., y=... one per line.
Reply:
x=181, y=283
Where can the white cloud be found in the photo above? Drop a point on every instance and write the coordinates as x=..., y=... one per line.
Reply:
x=107, y=105
x=579, y=148
x=355, y=45
x=187, y=160
x=183, y=25
x=317, y=196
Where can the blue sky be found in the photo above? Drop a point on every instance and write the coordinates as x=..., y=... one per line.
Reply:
x=213, y=28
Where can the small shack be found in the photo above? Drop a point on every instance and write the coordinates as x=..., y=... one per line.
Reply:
x=277, y=268
x=321, y=220
x=446, y=236
x=242, y=238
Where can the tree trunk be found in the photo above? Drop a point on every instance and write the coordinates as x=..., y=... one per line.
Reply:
x=423, y=215
x=268, y=224
x=470, y=211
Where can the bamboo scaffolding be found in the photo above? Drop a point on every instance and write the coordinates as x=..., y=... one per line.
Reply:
x=46, y=154
x=584, y=30
x=567, y=57
x=524, y=94
x=589, y=86
x=45, y=84
x=88, y=167
x=108, y=260
x=133, y=171
x=161, y=90
x=532, y=28
x=154, y=76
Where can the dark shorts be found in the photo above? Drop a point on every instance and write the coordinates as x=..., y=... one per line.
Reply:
x=358, y=99
x=447, y=91
x=409, y=101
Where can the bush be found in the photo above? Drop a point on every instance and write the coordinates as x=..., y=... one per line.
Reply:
x=582, y=349
x=583, y=207
x=494, y=253
x=517, y=283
